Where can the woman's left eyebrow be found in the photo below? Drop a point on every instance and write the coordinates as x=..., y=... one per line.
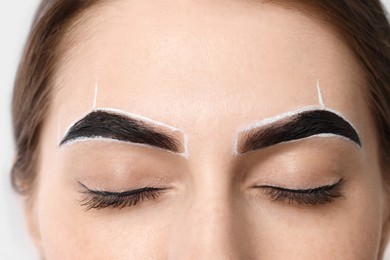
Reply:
x=116, y=126
x=304, y=124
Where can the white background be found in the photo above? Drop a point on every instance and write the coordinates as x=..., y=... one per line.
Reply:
x=15, y=19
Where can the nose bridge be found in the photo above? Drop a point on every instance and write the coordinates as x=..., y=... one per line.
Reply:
x=206, y=228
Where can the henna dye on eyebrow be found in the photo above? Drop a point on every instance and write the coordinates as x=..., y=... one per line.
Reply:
x=102, y=124
x=299, y=126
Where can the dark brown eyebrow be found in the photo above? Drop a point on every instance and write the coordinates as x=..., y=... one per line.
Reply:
x=103, y=124
x=299, y=126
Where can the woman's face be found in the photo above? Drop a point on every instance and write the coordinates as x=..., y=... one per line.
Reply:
x=209, y=130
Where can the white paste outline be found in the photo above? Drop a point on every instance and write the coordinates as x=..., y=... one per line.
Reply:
x=184, y=154
x=291, y=113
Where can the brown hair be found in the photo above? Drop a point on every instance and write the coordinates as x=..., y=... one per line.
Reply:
x=32, y=89
x=362, y=22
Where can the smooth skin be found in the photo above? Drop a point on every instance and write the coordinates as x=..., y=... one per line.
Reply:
x=208, y=68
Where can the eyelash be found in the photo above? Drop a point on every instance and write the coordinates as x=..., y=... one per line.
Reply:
x=103, y=199
x=315, y=196
x=95, y=199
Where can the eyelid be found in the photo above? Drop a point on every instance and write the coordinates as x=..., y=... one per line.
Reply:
x=312, y=196
x=308, y=190
x=118, y=193
x=100, y=199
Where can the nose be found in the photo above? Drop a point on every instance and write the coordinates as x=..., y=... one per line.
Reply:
x=208, y=228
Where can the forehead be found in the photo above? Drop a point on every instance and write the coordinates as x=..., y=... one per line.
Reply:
x=207, y=64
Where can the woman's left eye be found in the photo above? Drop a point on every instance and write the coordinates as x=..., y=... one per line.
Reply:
x=313, y=196
x=98, y=199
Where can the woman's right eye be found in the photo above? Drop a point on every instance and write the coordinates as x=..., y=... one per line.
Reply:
x=99, y=199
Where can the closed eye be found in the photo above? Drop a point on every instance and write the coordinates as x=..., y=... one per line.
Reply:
x=99, y=199
x=312, y=196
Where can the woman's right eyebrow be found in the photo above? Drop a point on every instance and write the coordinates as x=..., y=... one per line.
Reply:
x=109, y=125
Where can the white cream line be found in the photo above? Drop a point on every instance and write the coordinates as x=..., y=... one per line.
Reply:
x=95, y=96
x=320, y=100
x=291, y=113
x=185, y=154
x=135, y=116
x=274, y=119
x=270, y=120
x=109, y=140
x=323, y=135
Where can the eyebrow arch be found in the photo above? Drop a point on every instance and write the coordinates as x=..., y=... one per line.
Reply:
x=113, y=125
x=318, y=122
